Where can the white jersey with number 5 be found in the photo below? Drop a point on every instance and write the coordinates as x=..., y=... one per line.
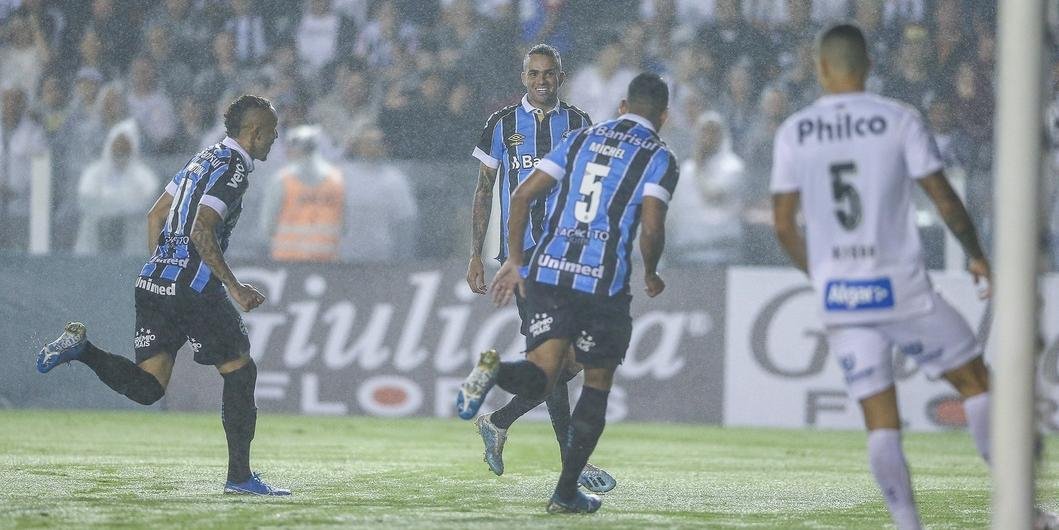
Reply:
x=854, y=158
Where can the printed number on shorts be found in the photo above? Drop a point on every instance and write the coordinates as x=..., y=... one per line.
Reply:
x=592, y=190
x=847, y=200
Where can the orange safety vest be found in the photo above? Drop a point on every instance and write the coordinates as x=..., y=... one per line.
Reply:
x=310, y=220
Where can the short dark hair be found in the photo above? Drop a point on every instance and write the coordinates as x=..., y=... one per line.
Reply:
x=845, y=47
x=233, y=117
x=546, y=50
x=649, y=90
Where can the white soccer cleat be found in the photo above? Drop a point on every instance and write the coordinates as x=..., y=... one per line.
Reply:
x=477, y=385
x=493, y=437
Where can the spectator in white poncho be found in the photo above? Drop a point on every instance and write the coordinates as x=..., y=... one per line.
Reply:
x=705, y=213
x=114, y=194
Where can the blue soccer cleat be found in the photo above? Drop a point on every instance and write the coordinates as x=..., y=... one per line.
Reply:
x=596, y=480
x=477, y=385
x=493, y=437
x=64, y=349
x=580, y=503
x=254, y=486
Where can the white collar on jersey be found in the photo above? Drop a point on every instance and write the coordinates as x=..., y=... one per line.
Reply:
x=531, y=109
x=232, y=143
x=638, y=119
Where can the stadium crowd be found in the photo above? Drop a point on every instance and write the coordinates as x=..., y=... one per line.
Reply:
x=121, y=92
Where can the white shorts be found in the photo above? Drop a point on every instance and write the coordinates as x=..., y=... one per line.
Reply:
x=938, y=342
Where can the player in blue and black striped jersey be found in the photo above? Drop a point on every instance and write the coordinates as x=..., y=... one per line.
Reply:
x=611, y=179
x=180, y=293
x=515, y=138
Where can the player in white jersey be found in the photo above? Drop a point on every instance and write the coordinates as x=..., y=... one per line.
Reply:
x=850, y=160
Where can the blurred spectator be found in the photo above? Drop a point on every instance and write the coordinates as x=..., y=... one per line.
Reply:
x=798, y=80
x=772, y=110
x=191, y=125
x=50, y=19
x=868, y=14
x=705, y=213
x=731, y=38
x=51, y=108
x=385, y=37
x=348, y=109
x=224, y=75
x=640, y=52
x=21, y=139
x=317, y=37
x=24, y=54
x=901, y=12
x=546, y=21
x=737, y=101
x=380, y=207
x=186, y=29
x=249, y=31
x=599, y=88
x=172, y=73
x=304, y=207
x=950, y=41
x=912, y=82
x=150, y=106
x=114, y=193
x=119, y=37
x=797, y=27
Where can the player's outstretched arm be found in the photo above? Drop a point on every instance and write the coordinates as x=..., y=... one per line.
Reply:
x=652, y=242
x=784, y=213
x=204, y=236
x=508, y=277
x=481, y=208
x=156, y=217
x=953, y=212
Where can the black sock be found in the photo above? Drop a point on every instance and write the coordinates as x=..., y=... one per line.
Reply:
x=559, y=412
x=122, y=375
x=522, y=378
x=239, y=417
x=586, y=425
x=504, y=416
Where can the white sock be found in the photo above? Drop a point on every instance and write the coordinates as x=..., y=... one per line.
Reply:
x=976, y=409
x=887, y=461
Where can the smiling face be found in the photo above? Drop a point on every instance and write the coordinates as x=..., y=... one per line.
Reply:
x=542, y=78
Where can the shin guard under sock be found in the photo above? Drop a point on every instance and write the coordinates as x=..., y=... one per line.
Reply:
x=586, y=425
x=239, y=417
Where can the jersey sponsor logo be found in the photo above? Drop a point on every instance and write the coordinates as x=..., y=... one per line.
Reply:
x=524, y=162
x=844, y=127
x=849, y=369
x=143, y=338
x=151, y=287
x=856, y=295
x=580, y=235
x=541, y=323
x=560, y=264
x=177, y=240
x=915, y=351
x=515, y=140
x=585, y=342
x=607, y=150
x=237, y=177
x=179, y=262
x=641, y=142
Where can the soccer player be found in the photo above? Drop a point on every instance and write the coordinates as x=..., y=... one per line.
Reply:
x=850, y=160
x=610, y=178
x=515, y=138
x=180, y=293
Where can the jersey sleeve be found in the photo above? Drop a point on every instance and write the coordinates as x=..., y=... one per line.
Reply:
x=662, y=179
x=784, y=177
x=490, y=148
x=554, y=163
x=225, y=187
x=922, y=156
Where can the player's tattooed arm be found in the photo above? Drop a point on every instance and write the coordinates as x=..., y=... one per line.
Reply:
x=952, y=211
x=481, y=208
x=204, y=237
x=156, y=217
x=784, y=212
x=652, y=242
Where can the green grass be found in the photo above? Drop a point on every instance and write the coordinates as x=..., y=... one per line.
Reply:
x=82, y=469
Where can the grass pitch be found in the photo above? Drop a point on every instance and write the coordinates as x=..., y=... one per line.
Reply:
x=80, y=469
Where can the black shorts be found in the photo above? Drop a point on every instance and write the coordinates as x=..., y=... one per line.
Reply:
x=599, y=328
x=169, y=315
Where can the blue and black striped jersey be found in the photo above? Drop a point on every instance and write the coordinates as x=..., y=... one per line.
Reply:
x=215, y=178
x=515, y=138
x=603, y=173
